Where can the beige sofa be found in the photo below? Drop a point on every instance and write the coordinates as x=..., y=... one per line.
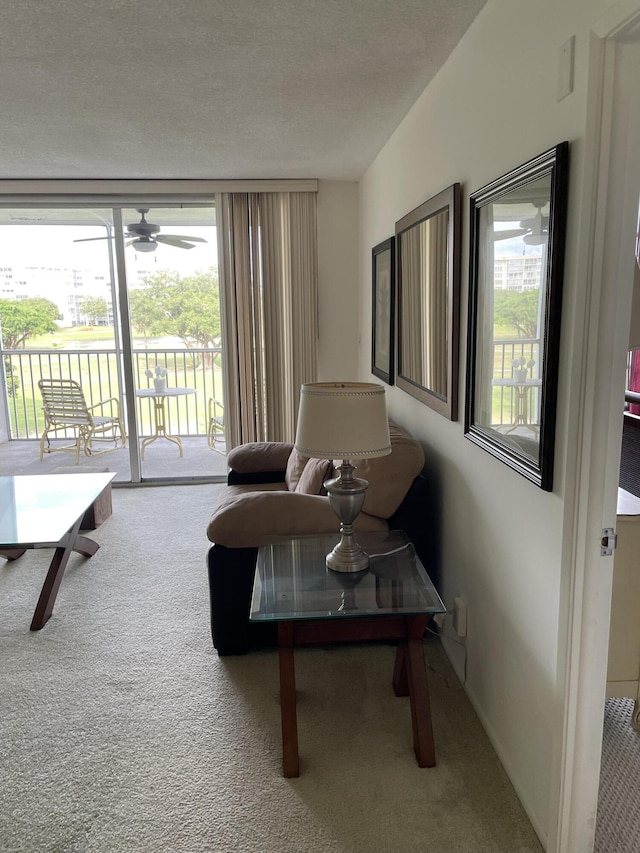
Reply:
x=249, y=514
x=273, y=493
x=623, y=672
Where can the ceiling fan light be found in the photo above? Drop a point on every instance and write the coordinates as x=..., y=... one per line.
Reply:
x=144, y=244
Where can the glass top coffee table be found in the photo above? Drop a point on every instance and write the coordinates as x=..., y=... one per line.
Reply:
x=46, y=512
x=392, y=599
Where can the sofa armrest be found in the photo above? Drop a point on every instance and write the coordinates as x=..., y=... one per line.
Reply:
x=259, y=456
x=251, y=519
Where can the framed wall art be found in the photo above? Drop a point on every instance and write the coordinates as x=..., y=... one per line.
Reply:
x=518, y=225
x=383, y=310
x=428, y=293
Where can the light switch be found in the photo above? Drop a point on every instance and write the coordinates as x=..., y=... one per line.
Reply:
x=565, y=68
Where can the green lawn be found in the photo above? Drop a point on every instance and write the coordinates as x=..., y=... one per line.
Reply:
x=86, y=334
x=98, y=376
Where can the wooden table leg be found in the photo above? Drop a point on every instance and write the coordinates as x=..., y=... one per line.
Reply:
x=400, y=676
x=12, y=553
x=419, y=692
x=288, y=716
x=71, y=542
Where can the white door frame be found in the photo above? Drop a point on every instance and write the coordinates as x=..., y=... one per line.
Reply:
x=609, y=207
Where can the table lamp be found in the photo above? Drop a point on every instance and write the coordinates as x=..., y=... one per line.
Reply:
x=346, y=421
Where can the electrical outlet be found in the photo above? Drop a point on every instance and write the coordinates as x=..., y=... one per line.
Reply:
x=460, y=617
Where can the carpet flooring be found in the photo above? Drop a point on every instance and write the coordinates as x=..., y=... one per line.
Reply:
x=618, y=820
x=122, y=730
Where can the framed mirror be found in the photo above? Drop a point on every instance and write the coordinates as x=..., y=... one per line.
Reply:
x=518, y=227
x=428, y=293
x=383, y=273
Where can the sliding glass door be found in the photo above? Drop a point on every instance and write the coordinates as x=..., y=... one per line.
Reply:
x=123, y=300
x=174, y=312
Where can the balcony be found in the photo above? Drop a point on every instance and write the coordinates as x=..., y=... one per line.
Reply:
x=98, y=371
x=515, y=408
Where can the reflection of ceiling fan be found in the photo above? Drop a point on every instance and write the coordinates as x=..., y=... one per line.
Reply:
x=145, y=236
x=534, y=231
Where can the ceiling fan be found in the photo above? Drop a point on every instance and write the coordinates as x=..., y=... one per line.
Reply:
x=538, y=229
x=534, y=231
x=145, y=236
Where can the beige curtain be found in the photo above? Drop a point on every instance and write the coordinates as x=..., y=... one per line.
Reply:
x=267, y=245
x=434, y=316
x=411, y=321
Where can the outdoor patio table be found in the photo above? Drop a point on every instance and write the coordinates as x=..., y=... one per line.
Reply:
x=159, y=414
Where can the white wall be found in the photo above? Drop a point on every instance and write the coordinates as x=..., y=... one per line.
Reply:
x=338, y=280
x=492, y=107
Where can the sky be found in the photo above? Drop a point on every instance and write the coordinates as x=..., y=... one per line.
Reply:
x=53, y=246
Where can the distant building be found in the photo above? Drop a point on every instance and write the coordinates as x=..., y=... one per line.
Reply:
x=65, y=287
x=517, y=272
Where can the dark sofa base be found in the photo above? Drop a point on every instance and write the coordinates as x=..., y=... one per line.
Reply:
x=231, y=572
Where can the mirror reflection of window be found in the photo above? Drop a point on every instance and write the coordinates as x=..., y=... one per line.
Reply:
x=515, y=294
x=517, y=229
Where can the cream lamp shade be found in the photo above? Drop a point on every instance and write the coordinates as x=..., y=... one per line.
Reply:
x=342, y=420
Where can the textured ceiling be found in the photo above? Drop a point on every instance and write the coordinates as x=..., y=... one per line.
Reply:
x=213, y=88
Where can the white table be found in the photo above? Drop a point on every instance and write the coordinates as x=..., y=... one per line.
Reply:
x=159, y=414
x=523, y=389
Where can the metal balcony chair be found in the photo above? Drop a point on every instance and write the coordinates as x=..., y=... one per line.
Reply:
x=216, y=423
x=65, y=409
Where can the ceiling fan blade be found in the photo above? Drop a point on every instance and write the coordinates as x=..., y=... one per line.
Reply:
x=90, y=239
x=507, y=235
x=183, y=237
x=170, y=240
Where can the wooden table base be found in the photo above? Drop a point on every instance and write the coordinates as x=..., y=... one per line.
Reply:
x=63, y=549
x=409, y=675
x=410, y=679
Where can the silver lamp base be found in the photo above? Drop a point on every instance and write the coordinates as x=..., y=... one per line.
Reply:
x=346, y=496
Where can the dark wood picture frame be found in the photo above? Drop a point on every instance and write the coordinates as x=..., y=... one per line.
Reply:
x=512, y=380
x=428, y=254
x=383, y=275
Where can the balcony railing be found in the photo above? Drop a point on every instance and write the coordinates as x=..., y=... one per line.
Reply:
x=98, y=374
x=201, y=369
x=507, y=400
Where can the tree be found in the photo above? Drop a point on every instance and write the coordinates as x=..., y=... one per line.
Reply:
x=94, y=307
x=13, y=380
x=23, y=319
x=518, y=309
x=189, y=307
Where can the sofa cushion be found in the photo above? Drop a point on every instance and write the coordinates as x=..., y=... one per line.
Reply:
x=249, y=519
x=390, y=477
x=295, y=466
x=259, y=456
x=315, y=473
